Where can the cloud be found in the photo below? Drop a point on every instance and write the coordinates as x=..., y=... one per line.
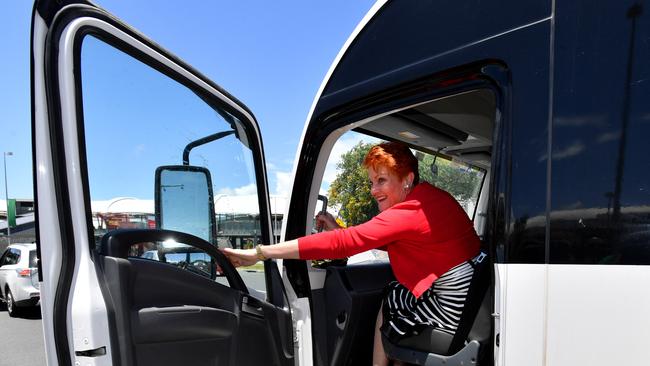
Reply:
x=239, y=191
x=572, y=206
x=139, y=149
x=571, y=150
x=579, y=121
x=608, y=136
x=282, y=184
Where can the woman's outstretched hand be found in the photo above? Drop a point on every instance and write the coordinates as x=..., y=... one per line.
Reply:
x=326, y=221
x=241, y=257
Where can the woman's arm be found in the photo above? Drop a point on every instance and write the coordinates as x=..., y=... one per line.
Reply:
x=285, y=250
x=387, y=227
x=247, y=257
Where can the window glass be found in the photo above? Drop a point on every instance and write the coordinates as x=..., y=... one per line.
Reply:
x=180, y=255
x=13, y=256
x=461, y=180
x=600, y=204
x=33, y=260
x=137, y=119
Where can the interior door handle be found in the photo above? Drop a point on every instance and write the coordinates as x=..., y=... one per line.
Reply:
x=250, y=305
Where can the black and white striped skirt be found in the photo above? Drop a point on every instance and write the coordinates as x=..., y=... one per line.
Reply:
x=440, y=306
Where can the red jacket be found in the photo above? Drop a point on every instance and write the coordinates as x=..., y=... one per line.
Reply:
x=425, y=236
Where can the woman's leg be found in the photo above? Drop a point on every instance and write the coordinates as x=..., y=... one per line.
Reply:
x=379, y=357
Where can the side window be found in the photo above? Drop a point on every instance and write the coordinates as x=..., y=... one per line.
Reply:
x=16, y=255
x=600, y=203
x=12, y=256
x=33, y=259
x=461, y=180
x=136, y=119
x=178, y=255
x=4, y=258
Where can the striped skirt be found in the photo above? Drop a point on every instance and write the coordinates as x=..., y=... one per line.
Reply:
x=440, y=306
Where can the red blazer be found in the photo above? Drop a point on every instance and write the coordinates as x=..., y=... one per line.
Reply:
x=425, y=236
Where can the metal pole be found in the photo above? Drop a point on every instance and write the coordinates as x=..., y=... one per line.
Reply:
x=4, y=158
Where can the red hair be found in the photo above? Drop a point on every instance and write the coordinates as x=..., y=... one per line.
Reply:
x=396, y=157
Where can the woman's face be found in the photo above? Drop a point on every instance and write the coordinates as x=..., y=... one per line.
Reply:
x=387, y=188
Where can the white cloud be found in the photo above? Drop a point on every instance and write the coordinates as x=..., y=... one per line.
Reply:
x=139, y=149
x=571, y=150
x=282, y=184
x=270, y=166
x=239, y=191
x=579, y=121
x=609, y=136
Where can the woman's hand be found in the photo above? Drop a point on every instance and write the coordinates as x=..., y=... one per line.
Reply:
x=241, y=257
x=248, y=257
x=326, y=221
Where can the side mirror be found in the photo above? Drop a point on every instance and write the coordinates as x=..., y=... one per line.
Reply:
x=184, y=201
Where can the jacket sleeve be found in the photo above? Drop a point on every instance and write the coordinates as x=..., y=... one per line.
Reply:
x=383, y=229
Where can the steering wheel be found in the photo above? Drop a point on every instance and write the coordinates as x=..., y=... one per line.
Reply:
x=118, y=242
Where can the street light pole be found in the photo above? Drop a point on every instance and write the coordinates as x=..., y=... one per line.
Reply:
x=4, y=158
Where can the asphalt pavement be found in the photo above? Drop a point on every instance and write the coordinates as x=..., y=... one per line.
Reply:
x=21, y=339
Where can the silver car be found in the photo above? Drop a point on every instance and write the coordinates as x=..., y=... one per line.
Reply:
x=19, y=277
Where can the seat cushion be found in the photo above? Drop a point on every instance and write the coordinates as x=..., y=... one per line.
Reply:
x=430, y=340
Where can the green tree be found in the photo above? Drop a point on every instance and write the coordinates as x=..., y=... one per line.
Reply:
x=351, y=189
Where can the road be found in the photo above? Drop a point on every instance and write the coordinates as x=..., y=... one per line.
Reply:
x=21, y=338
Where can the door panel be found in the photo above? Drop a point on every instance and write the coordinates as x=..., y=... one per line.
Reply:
x=168, y=315
x=352, y=299
x=165, y=314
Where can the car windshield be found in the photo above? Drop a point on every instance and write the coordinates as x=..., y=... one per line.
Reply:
x=33, y=260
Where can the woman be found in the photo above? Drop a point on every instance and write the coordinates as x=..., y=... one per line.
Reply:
x=428, y=237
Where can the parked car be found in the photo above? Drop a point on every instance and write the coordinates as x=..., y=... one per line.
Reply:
x=19, y=277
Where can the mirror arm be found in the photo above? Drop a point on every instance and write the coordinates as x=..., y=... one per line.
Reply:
x=203, y=141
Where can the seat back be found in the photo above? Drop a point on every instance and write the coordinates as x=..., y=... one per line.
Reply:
x=475, y=322
x=467, y=346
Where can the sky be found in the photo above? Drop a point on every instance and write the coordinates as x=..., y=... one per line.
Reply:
x=272, y=56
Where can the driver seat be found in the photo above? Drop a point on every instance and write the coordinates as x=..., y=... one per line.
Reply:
x=467, y=346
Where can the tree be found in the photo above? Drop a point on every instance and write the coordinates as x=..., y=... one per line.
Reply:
x=351, y=189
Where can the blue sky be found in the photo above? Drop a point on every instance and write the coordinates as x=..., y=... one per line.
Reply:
x=270, y=55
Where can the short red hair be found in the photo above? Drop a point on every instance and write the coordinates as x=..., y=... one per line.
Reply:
x=396, y=157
